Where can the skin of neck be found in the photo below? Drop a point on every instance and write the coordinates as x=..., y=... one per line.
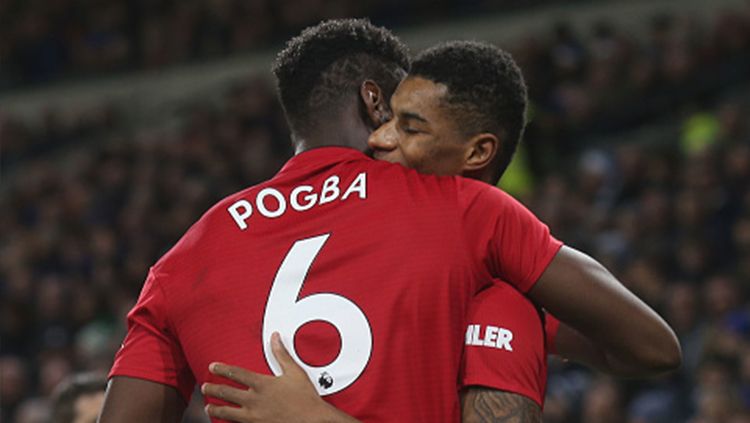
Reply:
x=345, y=127
x=484, y=175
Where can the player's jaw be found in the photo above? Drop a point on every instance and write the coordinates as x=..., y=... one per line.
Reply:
x=422, y=134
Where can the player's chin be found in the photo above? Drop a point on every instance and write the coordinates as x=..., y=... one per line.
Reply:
x=386, y=157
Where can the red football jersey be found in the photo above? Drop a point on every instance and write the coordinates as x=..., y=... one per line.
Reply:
x=505, y=345
x=365, y=268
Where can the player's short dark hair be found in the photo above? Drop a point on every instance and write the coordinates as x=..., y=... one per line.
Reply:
x=327, y=63
x=486, y=91
x=67, y=393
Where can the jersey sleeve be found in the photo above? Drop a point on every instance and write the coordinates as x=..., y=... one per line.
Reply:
x=150, y=350
x=504, y=346
x=513, y=244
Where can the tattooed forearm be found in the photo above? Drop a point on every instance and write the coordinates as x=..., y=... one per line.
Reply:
x=482, y=405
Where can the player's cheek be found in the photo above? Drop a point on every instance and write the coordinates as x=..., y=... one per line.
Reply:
x=416, y=156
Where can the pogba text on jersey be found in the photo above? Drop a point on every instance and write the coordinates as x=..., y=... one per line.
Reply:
x=273, y=203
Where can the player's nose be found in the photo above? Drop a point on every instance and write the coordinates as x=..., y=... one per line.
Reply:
x=384, y=138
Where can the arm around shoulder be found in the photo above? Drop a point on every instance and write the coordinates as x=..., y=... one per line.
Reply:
x=633, y=338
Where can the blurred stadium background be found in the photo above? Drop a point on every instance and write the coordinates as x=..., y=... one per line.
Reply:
x=121, y=122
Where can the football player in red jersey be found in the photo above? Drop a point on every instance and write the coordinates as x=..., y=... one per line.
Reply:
x=294, y=250
x=438, y=112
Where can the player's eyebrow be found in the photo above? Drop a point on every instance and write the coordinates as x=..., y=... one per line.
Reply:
x=412, y=115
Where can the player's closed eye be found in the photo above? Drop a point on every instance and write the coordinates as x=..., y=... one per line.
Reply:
x=410, y=130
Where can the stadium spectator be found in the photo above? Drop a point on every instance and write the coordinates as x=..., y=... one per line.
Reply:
x=79, y=398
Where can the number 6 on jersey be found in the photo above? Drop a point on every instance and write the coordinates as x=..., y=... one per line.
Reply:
x=286, y=313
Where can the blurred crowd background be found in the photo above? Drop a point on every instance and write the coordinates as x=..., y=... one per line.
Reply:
x=45, y=40
x=637, y=151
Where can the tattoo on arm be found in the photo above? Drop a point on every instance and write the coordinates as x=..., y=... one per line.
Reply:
x=483, y=405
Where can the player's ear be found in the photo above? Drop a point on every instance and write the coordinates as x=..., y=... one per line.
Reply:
x=480, y=152
x=376, y=109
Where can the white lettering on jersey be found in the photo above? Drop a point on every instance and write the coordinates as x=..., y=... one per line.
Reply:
x=238, y=217
x=262, y=205
x=330, y=190
x=287, y=311
x=310, y=199
x=242, y=210
x=495, y=337
x=359, y=186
